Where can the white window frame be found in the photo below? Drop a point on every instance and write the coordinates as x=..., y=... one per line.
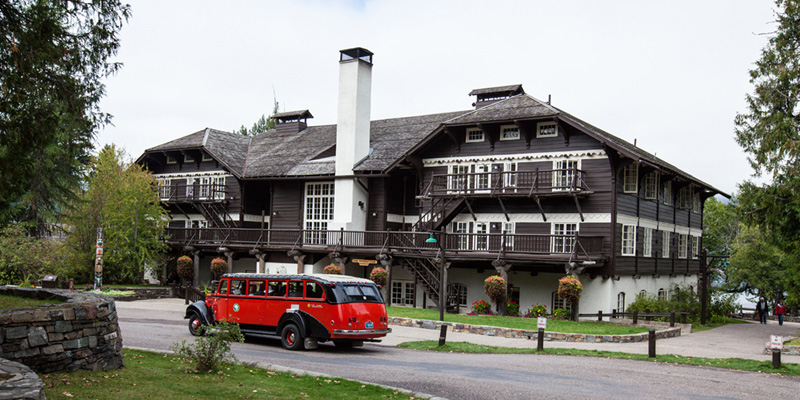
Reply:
x=196, y=223
x=164, y=189
x=683, y=245
x=509, y=129
x=217, y=182
x=405, y=295
x=510, y=176
x=541, y=125
x=171, y=160
x=630, y=178
x=458, y=181
x=621, y=302
x=666, y=193
x=666, y=239
x=461, y=229
x=481, y=177
x=460, y=294
x=696, y=204
x=318, y=203
x=557, y=302
x=187, y=158
x=564, y=173
x=479, y=137
x=481, y=236
x=695, y=246
x=563, y=245
x=628, y=242
x=663, y=294
x=508, y=229
x=647, y=242
x=651, y=186
x=206, y=157
x=685, y=198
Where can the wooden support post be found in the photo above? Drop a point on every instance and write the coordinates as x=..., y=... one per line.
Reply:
x=647, y=315
x=651, y=339
x=540, y=340
x=672, y=319
x=600, y=316
x=443, y=335
x=776, y=358
x=683, y=318
x=635, y=317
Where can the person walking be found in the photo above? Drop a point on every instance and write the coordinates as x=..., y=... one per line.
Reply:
x=761, y=309
x=780, y=312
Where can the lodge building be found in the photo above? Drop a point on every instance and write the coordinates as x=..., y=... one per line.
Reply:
x=514, y=186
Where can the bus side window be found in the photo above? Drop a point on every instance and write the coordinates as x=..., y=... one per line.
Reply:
x=256, y=288
x=238, y=287
x=313, y=290
x=277, y=288
x=223, y=287
x=295, y=289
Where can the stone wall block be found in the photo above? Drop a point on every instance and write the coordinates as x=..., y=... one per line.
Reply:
x=16, y=332
x=80, y=312
x=22, y=317
x=91, y=311
x=92, y=342
x=37, y=336
x=27, y=353
x=63, y=326
x=69, y=314
x=53, y=349
x=55, y=337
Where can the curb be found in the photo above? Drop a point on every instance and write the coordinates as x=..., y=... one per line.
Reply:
x=301, y=372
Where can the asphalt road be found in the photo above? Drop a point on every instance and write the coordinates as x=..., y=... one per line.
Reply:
x=469, y=376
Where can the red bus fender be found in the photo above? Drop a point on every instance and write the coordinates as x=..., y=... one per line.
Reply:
x=205, y=313
x=306, y=323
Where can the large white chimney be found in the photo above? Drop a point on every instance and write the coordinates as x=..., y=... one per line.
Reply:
x=352, y=137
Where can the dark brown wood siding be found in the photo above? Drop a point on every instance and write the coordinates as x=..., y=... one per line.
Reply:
x=287, y=202
x=376, y=204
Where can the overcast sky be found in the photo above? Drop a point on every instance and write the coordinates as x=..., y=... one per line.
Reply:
x=671, y=75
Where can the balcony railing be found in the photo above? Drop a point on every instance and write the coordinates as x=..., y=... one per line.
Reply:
x=187, y=193
x=567, y=180
x=455, y=243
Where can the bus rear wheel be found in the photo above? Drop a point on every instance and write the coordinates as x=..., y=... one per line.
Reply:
x=291, y=339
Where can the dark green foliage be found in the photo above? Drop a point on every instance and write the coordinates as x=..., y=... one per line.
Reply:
x=262, y=125
x=23, y=257
x=769, y=131
x=53, y=58
x=212, y=348
x=682, y=299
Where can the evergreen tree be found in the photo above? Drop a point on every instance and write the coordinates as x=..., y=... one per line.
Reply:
x=53, y=57
x=262, y=125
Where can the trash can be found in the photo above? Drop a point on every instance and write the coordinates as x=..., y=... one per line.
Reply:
x=49, y=281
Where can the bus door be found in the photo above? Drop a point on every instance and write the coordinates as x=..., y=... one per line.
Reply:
x=219, y=303
x=276, y=302
x=237, y=296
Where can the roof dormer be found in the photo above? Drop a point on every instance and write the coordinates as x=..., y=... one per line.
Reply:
x=491, y=95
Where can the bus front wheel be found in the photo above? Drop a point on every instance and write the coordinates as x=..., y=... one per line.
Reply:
x=291, y=339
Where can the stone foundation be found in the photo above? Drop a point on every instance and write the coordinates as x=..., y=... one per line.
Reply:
x=80, y=333
x=18, y=382
x=529, y=334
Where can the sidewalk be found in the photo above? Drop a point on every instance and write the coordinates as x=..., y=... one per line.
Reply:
x=729, y=341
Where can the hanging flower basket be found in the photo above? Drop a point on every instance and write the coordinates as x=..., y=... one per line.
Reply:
x=185, y=268
x=495, y=287
x=332, y=270
x=218, y=267
x=569, y=288
x=379, y=276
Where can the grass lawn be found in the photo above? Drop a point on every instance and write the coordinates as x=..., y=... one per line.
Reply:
x=716, y=324
x=728, y=363
x=553, y=325
x=156, y=376
x=17, y=302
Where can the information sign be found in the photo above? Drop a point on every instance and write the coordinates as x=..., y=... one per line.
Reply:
x=541, y=323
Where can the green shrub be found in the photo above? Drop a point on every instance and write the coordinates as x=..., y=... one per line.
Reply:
x=512, y=309
x=536, y=311
x=209, y=350
x=683, y=298
x=561, y=313
x=481, y=308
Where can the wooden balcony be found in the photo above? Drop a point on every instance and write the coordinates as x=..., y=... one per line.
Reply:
x=182, y=193
x=550, y=248
x=558, y=182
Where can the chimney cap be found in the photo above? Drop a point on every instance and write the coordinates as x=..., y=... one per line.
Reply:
x=292, y=115
x=356, y=53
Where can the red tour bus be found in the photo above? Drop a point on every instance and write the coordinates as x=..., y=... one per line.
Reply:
x=301, y=310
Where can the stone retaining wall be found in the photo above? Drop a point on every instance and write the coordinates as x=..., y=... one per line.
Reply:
x=18, y=382
x=80, y=333
x=145, y=294
x=530, y=334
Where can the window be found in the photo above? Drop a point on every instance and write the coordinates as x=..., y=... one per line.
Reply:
x=314, y=290
x=509, y=132
x=665, y=240
x=460, y=228
x=564, y=175
x=171, y=160
x=651, y=186
x=563, y=238
x=508, y=230
x=164, y=190
x=223, y=286
x=630, y=178
x=238, y=287
x=621, y=302
x=481, y=239
x=695, y=247
x=296, y=289
x=557, y=302
x=682, y=245
x=696, y=203
x=207, y=157
x=628, y=240
x=457, y=294
x=256, y=288
x=218, y=187
x=205, y=187
x=684, y=198
x=662, y=294
x=198, y=223
x=187, y=158
x=546, y=129
x=318, y=211
x=647, y=242
x=666, y=193
x=481, y=176
x=276, y=288
x=459, y=176
x=510, y=176
x=474, y=135
x=402, y=293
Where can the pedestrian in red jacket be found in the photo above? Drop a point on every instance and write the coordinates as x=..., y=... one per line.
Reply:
x=780, y=311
